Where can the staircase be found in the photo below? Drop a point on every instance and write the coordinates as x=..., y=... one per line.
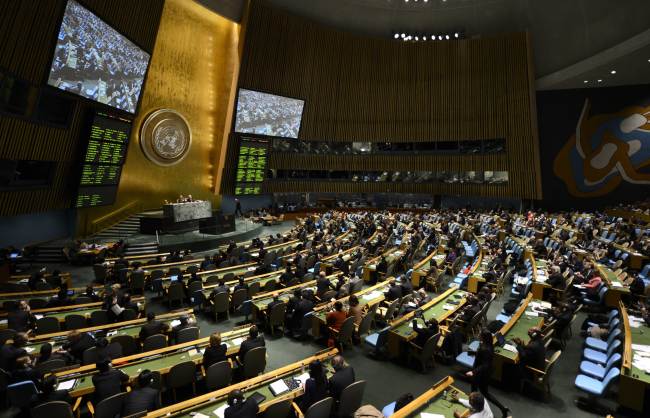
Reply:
x=49, y=253
x=124, y=229
x=141, y=248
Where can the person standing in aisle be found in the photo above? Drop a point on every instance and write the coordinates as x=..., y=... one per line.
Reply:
x=480, y=373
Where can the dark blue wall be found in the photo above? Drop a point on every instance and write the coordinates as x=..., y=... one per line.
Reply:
x=37, y=227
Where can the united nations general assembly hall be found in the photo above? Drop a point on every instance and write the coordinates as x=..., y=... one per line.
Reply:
x=324, y=209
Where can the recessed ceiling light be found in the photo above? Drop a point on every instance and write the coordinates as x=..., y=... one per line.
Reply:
x=600, y=81
x=613, y=71
x=396, y=35
x=586, y=81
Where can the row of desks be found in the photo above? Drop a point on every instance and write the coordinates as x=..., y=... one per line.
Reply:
x=210, y=402
x=634, y=382
x=440, y=308
x=435, y=401
x=85, y=309
x=130, y=328
x=160, y=360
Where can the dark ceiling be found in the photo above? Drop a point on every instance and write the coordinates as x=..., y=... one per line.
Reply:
x=573, y=40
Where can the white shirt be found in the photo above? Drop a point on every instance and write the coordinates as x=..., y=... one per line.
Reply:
x=485, y=413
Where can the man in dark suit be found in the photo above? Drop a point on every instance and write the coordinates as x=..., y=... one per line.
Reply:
x=144, y=398
x=185, y=323
x=152, y=327
x=238, y=407
x=108, y=381
x=287, y=276
x=556, y=279
x=21, y=318
x=220, y=288
x=78, y=342
x=532, y=354
x=9, y=353
x=323, y=284
x=276, y=301
x=406, y=285
x=254, y=340
x=343, y=377
x=394, y=291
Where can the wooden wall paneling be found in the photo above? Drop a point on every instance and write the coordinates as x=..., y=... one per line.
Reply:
x=369, y=89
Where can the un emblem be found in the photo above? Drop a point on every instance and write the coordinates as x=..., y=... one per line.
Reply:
x=165, y=137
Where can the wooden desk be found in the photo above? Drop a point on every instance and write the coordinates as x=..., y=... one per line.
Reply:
x=433, y=401
x=109, y=327
x=517, y=327
x=42, y=294
x=262, y=300
x=634, y=383
x=207, y=403
x=164, y=360
x=61, y=312
x=401, y=330
x=367, y=297
x=422, y=268
x=616, y=290
x=131, y=328
x=66, y=278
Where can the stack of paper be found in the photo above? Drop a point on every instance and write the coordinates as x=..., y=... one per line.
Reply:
x=302, y=378
x=510, y=348
x=220, y=411
x=279, y=387
x=175, y=322
x=67, y=385
x=238, y=341
x=448, y=307
x=372, y=295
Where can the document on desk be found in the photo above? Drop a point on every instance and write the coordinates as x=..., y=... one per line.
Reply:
x=278, y=387
x=237, y=341
x=220, y=412
x=200, y=415
x=428, y=415
x=175, y=322
x=67, y=385
x=531, y=313
x=448, y=307
x=302, y=378
x=510, y=348
x=372, y=295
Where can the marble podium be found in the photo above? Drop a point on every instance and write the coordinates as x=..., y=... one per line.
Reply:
x=189, y=211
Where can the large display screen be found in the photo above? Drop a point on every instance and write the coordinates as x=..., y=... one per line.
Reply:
x=251, y=166
x=95, y=61
x=268, y=114
x=108, y=141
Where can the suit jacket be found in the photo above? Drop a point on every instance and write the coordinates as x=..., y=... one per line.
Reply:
x=340, y=380
x=108, y=383
x=152, y=328
x=142, y=399
x=533, y=354
x=213, y=355
x=248, y=345
x=394, y=292
x=77, y=348
x=246, y=409
x=20, y=321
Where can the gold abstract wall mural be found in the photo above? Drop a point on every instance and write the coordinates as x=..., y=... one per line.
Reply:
x=606, y=150
x=191, y=71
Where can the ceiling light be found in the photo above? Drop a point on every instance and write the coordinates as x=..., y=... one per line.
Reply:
x=456, y=35
x=447, y=37
x=424, y=38
x=403, y=35
x=600, y=81
x=417, y=39
x=396, y=35
x=440, y=37
x=586, y=81
x=613, y=71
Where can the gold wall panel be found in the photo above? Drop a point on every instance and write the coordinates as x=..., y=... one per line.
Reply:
x=191, y=71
